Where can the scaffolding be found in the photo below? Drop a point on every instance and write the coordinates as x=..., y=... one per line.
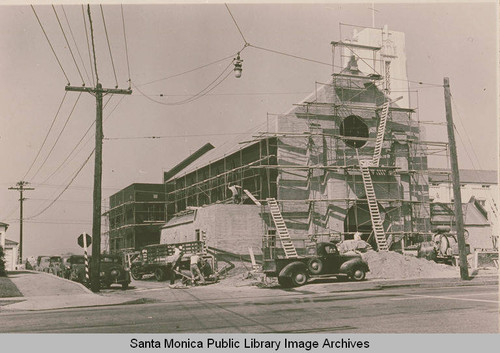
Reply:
x=311, y=163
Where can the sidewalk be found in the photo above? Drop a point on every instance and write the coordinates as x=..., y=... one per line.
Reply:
x=43, y=291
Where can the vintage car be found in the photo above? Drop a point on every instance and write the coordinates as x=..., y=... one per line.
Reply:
x=324, y=261
x=55, y=265
x=113, y=271
x=42, y=263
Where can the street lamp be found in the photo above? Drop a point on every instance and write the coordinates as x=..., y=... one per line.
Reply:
x=237, y=66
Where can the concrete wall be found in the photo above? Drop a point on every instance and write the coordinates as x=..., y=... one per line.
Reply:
x=228, y=227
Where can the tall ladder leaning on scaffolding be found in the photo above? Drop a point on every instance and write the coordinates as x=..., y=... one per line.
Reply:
x=364, y=166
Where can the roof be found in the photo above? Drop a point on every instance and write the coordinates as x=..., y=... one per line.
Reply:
x=184, y=218
x=10, y=242
x=467, y=176
x=442, y=213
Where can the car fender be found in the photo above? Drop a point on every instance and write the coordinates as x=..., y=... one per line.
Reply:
x=349, y=265
x=287, y=270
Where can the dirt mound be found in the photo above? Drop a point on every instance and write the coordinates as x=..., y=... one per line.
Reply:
x=392, y=265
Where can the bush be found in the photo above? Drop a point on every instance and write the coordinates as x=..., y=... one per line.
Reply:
x=2, y=263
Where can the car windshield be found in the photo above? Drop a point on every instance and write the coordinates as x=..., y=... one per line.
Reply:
x=77, y=260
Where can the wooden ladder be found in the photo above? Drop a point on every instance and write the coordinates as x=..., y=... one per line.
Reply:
x=378, y=228
x=380, y=134
x=281, y=229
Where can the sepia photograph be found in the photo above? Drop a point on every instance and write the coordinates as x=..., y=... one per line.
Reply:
x=272, y=176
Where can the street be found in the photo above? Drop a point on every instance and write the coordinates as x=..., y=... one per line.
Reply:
x=314, y=308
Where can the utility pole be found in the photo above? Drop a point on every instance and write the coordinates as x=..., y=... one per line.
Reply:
x=457, y=196
x=21, y=186
x=98, y=92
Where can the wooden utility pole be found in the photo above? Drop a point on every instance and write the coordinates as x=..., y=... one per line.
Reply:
x=98, y=92
x=21, y=186
x=457, y=196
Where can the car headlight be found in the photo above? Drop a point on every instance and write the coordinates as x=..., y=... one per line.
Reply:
x=103, y=274
x=115, y=273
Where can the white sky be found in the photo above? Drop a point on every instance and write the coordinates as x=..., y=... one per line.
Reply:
x=456, y=40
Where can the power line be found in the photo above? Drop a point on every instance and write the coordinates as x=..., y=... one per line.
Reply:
x=229, y=94
x=126, y=46
x=50, y=44
x=236, y=23
x=69, y=46
x=109, y=46
x=88, y=44
x=78, y=143
x=93, y=44
x=188, y=71
x=290, y=55
x=196, y=96
x=67, y=186
x=173, y=136
x=47, y=135
x=74, y=41
x=58, y=137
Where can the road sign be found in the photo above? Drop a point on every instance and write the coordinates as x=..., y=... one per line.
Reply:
x=88, y=238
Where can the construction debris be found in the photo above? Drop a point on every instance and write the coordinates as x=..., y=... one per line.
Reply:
x=393, y=265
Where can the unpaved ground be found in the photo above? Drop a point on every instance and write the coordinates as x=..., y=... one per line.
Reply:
x=392, y=265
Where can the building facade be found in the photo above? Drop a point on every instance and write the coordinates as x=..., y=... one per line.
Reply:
x=311, y=162
x=135, y=216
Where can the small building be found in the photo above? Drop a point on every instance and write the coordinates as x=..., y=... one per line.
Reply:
x=10, y=248
x=135, y=216
x=479, y=185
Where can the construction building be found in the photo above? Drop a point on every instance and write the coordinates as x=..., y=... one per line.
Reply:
x=134, y=217
x=349, y=158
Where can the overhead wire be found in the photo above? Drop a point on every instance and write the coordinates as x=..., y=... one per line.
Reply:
x=172, y=136
x=58, y=137
x=50, y=44
x=67, y=186
x=67, y=43
x=186, y=72
x=79, y=142
x=236, y=23
x=126, y=46
x=46, y=136
x=76, y=45
x=93, y=44
x=109, y=45
x=212, y=85
x=88, y=44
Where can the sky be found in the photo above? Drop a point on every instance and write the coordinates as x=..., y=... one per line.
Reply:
x=455, y=40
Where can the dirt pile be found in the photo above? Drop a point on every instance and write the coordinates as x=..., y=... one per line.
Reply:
x=392, y=265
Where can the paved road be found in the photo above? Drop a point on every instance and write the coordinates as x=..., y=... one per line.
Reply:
x=312, y=308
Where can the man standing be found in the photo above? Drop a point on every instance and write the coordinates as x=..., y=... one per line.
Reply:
x=175, y=262
x=235, y=189
x=195, y=270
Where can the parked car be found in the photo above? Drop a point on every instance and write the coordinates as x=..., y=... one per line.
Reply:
x=75, y=268
x=42, y=263
x=325, y=262
x=114, y=271
x=55, y=265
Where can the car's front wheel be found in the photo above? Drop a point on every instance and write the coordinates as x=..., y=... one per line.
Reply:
x=358, y=274
x=299, y=277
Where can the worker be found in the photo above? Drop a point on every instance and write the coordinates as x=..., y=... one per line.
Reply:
x=195, y=270
x=235, y=189
x=175, y=262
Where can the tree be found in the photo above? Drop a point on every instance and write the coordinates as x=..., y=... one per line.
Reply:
x=2, y=263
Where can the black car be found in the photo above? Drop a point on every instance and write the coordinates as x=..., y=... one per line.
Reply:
x=113, y=271
x=327, y=261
